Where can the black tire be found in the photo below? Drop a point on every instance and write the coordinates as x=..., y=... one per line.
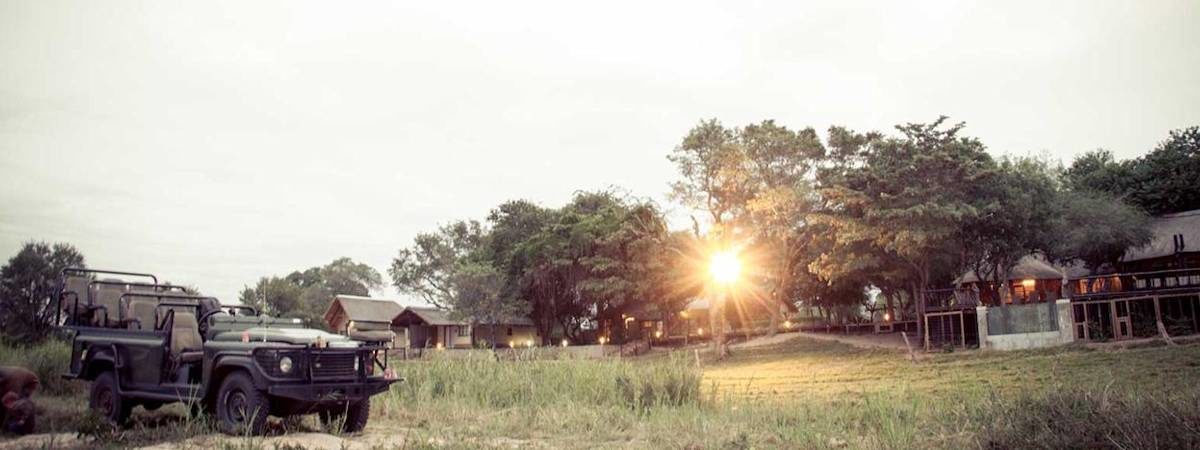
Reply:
x=348, y=418
x=241, y=408
x=105, y=400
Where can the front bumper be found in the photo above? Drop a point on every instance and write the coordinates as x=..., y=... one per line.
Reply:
x=330, y=393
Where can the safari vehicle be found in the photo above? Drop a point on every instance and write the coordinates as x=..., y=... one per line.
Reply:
x=140, y=342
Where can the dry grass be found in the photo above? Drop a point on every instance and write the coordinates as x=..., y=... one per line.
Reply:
x=797, y=394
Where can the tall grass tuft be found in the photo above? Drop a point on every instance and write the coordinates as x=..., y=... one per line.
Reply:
x=484, y=381
x=48, y=359
x=1087, y=419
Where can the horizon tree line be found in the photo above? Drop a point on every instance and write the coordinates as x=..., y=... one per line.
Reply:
x=819, y=220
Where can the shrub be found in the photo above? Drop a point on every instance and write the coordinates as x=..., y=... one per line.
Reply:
x=48, y=359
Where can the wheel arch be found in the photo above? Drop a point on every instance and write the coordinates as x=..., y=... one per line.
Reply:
x=225, y=366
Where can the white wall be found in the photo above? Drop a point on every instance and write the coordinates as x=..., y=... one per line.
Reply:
x=1064, y=335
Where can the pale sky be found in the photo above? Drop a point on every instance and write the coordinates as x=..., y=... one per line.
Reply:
x=217, y=142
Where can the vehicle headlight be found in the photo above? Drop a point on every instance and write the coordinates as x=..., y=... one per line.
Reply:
x=285, y=364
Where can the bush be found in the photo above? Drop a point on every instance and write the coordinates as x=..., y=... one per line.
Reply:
x=48, y=359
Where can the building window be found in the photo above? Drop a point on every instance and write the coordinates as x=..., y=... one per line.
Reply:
x=463, y=331
x=1141, y=283
x=510, y=331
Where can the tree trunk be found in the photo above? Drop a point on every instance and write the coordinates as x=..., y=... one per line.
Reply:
x=716, y=320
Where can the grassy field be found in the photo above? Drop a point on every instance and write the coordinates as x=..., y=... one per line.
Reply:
x=798, y=394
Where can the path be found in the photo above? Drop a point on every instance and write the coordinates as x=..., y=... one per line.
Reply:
x=890, y=341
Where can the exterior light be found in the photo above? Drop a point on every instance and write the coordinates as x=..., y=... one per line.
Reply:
x=511, y=344
x=887, y=317
x=787, y=324
x=725, y=267
x=628, y=319
x=657, y=334
x=285, y=364
x=529, y=343
x=700, y=331
x=564, y=342
x=439, y=346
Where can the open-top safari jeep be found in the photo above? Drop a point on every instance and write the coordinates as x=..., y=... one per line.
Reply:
x=144, y=343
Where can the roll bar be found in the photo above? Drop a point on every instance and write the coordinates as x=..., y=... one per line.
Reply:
x=83, y=271
x=123, y=301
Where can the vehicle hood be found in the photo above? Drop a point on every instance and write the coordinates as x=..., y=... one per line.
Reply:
x=295, y=336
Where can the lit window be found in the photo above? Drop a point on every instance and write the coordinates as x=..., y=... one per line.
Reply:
x=463, y=331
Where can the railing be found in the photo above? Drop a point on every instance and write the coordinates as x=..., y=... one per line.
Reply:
x=1162, y=281
x=948, y=299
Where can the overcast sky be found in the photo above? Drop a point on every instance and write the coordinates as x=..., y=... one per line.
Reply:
x=216, y=142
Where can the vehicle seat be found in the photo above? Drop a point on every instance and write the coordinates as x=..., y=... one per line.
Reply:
x=78, y=285
x=142, y=309
x=108, y=296
x=186, y=345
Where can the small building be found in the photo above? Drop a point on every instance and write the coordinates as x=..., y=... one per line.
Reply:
x=1169, y=247
x=429, y=327
x=363, y=318
x=1032, y=280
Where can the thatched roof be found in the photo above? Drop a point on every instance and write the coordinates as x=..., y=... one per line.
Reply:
x=363, y=309
x=1165, y=228
x=1029, y=267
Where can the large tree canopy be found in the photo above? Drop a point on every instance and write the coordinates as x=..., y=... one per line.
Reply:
x=306, y=294
x=27, y=287
x=1161, y=182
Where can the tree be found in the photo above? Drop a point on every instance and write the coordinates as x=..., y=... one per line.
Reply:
x=306, y=294
x=781, y=164
x=1160, y=182
x=1017, y=206
x=905, y=196
x=715, y=180
x=344, y=276
x=426, y=268
x=27, y=288
x=1097, y=229
x=478, y=297
x=1098, y=171
x=273, y=295
x=595, y=260
x=1164, y=181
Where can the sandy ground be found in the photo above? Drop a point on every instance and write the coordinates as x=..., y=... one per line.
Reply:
x=373, y=438
x=51, y=440
x=890, y=341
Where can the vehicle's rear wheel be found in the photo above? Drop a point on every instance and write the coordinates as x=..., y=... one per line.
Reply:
x=106, y=401
x=347, y=418
x=241, y=408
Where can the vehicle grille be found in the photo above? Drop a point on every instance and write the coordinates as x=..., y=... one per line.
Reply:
x=329, y=365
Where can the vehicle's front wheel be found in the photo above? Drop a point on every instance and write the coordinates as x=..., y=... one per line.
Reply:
x=106, y=401
x=241, y=408
x=348, y=418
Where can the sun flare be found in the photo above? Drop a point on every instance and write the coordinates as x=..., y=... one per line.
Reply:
x=725, y=267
